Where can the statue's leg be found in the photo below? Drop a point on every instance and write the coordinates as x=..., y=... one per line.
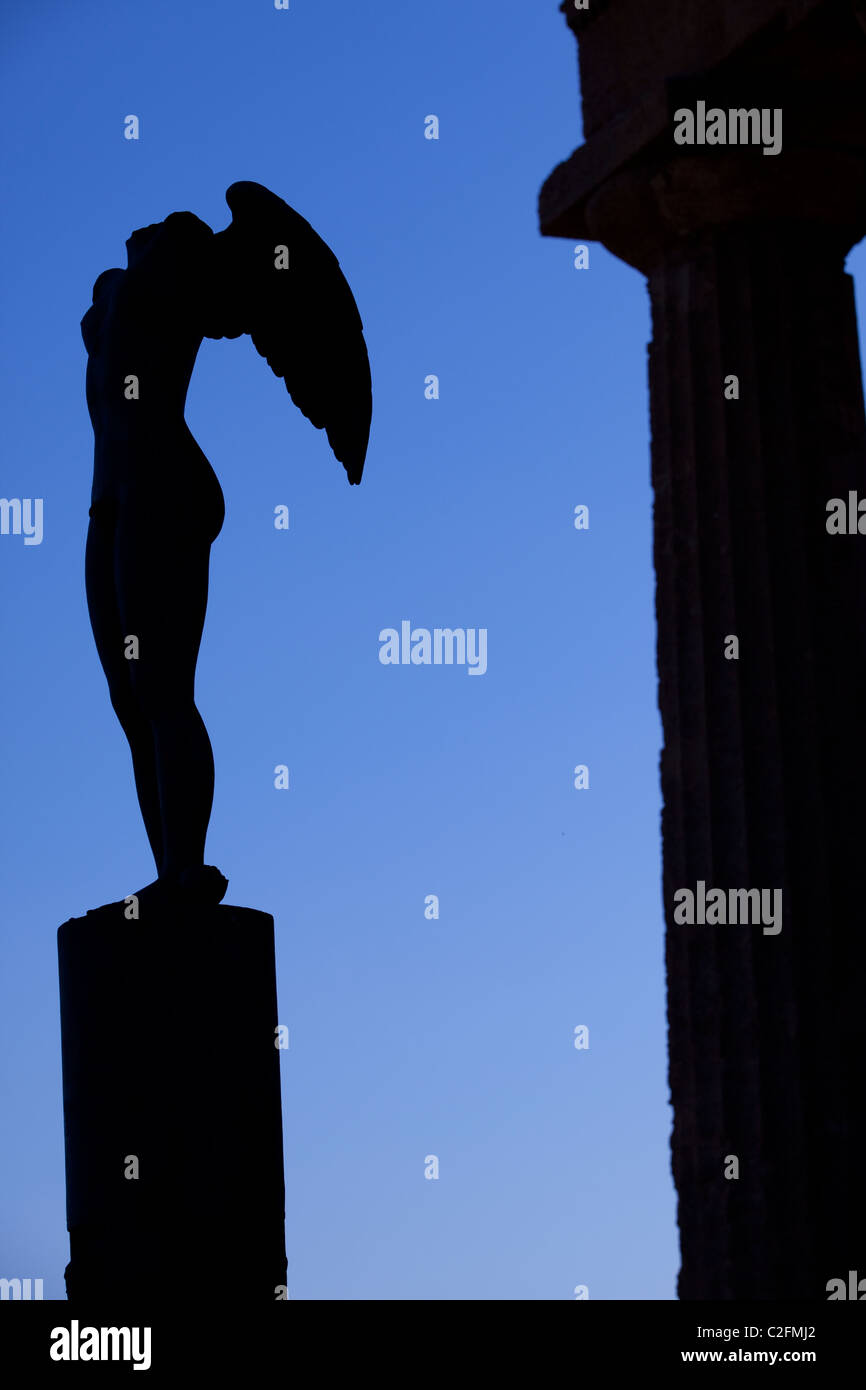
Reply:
x=161, y=567
x=109, y=634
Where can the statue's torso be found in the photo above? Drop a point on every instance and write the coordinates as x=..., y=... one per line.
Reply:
x=142, y=339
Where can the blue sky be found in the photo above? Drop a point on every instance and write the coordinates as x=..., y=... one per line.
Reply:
x=408, y=1037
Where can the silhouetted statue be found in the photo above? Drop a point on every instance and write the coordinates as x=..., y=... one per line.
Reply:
x=157, y=505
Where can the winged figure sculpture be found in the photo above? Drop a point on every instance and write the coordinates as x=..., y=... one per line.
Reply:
x=156, y=503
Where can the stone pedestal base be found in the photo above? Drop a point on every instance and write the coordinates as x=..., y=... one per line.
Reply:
x=171, y=1099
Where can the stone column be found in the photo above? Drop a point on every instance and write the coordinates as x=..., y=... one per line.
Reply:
x=764, y=763
x=763, y=769
x=171, y=1100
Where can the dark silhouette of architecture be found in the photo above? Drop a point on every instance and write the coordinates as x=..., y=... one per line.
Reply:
x=168, y=1001
x=758, y=423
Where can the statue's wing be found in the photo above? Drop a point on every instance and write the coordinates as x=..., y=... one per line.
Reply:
x=273, y=277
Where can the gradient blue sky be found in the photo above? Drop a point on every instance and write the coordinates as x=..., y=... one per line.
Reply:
x=408, y=1037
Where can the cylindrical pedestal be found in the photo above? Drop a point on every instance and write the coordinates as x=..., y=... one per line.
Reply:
x=171, y=1099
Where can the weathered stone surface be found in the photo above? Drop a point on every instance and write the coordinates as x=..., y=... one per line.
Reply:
x=764, y=763
x=808, y=57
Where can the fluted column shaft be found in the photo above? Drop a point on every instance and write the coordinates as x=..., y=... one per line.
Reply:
x=764, y=762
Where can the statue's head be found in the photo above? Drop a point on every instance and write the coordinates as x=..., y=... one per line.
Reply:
x=138, y=242
x=106, y=280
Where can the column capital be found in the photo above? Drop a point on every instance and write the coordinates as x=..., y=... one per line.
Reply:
x=633, y=187
x=645, y=212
